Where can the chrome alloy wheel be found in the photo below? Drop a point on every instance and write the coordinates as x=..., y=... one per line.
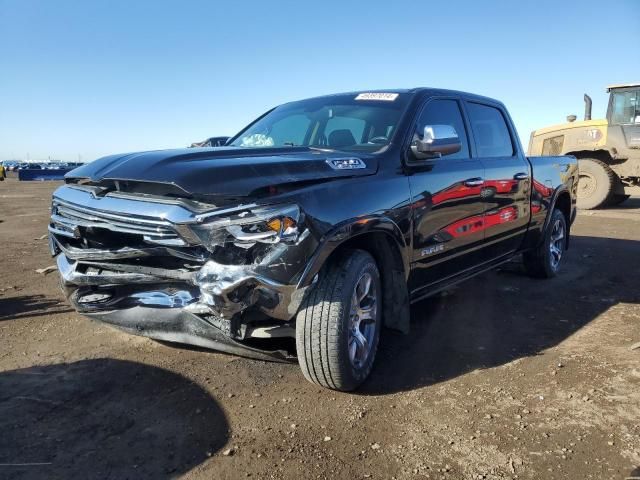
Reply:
x=362, y=320
x=556, y=244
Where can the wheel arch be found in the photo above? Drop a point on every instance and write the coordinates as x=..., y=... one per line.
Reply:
x=383, y=240
x=561, y=200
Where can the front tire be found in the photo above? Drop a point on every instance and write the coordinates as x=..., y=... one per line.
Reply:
x=338, y=326
x=544, y=261
x=596, y=184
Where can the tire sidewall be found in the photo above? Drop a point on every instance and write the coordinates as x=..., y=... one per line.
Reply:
x=365, y=264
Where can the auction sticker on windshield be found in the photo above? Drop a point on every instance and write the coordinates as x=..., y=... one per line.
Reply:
x=384, y=97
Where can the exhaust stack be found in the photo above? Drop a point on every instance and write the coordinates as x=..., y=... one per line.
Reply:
x=587, y=107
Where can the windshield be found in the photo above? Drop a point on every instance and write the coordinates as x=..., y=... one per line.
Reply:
x=357, y=122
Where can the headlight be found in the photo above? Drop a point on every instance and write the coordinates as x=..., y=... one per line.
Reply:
x=258, y=225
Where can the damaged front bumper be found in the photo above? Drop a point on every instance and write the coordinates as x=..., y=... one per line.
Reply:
x=156, y=281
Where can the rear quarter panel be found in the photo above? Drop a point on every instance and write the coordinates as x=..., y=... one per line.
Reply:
x=553, y=177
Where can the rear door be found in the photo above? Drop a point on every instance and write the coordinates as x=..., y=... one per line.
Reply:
x=507, y=178
x=446, y=202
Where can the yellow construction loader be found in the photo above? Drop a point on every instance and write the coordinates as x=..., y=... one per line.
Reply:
x=608, y=150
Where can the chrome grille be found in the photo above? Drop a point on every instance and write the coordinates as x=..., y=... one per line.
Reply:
x=66, y=218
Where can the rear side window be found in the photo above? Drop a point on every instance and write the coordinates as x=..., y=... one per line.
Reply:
x=490, y=131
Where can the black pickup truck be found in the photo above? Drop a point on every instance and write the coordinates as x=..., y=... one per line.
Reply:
x=314, y=227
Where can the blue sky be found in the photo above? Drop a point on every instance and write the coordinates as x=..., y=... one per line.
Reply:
x=90, y=78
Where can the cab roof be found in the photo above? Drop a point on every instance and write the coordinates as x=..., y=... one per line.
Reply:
x=622, y=85
x=419, y=90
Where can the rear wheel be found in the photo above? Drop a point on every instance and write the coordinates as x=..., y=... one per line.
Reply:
x=544, y=261
x=338, y=326
x=596, y=183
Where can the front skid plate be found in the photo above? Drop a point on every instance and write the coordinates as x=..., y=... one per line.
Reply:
x=176, y=325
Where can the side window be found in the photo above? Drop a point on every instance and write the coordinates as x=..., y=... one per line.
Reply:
x=490, y=131
x=445, y=112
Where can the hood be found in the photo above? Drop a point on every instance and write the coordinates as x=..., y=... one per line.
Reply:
x=226, y=171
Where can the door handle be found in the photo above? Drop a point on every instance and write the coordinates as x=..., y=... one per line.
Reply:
x=521, y=176
x=474, y=182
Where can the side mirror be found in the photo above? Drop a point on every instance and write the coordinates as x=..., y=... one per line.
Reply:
x=437, y=140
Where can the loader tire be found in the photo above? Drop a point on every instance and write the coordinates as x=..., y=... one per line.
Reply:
x=596, y=184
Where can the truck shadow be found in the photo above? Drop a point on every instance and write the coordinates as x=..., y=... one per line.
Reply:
x=504, y=315
x=14, y=308
x=630, y=204
x=105, y=418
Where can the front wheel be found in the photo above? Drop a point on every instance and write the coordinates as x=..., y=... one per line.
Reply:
x=544, y=261
x=338, y=326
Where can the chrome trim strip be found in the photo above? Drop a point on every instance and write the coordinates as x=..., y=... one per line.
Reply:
x=119, y=208
x=164, y=238
x=153, y=272
x=97, y=215
x=71, y=277
x=75, y=253
x=145, y=208
x=71, y=223
x=63, y=233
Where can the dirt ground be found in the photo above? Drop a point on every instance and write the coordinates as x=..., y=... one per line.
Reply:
x=501, y=377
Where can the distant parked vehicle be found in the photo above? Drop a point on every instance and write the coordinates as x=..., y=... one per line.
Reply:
x=211, y=142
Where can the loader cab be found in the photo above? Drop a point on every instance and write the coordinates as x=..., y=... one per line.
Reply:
x=624, y=105
x=623, y=135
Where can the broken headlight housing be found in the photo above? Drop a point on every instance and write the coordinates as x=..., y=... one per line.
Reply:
x=272, y=224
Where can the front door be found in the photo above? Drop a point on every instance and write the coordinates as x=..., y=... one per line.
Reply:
x=447, y=203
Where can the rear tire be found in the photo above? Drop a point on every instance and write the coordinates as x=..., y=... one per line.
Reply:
x=596, y=184
x=545, y=260
x=338, y=326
